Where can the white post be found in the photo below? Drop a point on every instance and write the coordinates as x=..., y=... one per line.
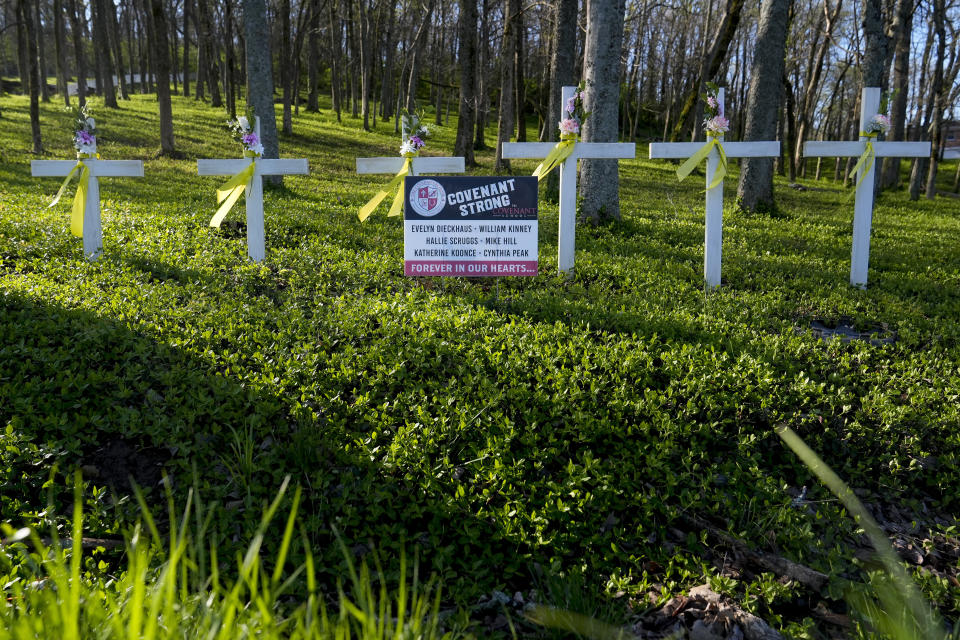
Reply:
x=92, y=227
x=566, y=248
x=567, y=226
x=713, y=223
x=253, y=194
x=863, y=205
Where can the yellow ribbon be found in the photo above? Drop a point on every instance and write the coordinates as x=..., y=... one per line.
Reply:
x=557, y=155
x=80, y=199
x=866, y=158
x=395, y=183
x=714, y=141
x=230, y=191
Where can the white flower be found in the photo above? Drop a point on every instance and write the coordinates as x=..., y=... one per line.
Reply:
x=407, y=148
x=243, y=122
x=91, y=123
x=89, y=149
x=257, y=149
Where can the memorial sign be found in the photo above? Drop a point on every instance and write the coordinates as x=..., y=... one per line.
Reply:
x=456, y=226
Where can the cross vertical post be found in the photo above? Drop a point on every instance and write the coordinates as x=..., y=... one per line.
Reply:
x=713, y=219
x=567, y=225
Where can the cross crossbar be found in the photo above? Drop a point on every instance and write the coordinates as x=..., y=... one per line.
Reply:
x=677, y=150
x=582, y=150
x=98, y=168
x=265, y=166
x=881, y=149
x=419, y=166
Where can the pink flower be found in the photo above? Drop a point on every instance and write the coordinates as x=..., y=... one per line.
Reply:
x=572, y=105
x=879, y=124
x=716, y=125
x=569, y=126
x=711, y=102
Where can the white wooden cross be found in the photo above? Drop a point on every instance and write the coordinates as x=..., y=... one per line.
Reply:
x=713, y=227
x=863, y=205
x=568, y=178
x=92, y=228
x=256, y=242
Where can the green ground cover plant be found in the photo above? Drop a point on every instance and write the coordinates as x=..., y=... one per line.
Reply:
x=511, y=434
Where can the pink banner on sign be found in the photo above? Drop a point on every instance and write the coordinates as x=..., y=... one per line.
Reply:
x=470, y=268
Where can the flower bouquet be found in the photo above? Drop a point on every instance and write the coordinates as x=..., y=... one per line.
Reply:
x=570, y=128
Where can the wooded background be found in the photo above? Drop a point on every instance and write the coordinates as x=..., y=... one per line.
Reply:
x=500, y=63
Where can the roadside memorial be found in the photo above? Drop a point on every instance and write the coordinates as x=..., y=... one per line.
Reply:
x=247, y=178
x=716, y=152
x=409, y=163
x=565, y=155
x=867, y=149
x=88, y=168
x=458, y=226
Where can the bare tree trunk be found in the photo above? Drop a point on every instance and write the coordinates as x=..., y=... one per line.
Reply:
x=61, y=48
x=463, y=146
x=74, y=12
x=366, y=62
x=260, y=76
x=208, y=42
x=33, y=72
x=41, y=50
x=187, y=6
x=482, y=81
x=755, y=189
x=519, y=82
x=113, y=22
x=418, y=44
x=938, y=95
x=507, y=110
x=600, y=179
x=229, y=61
x=335, y=35
x=313, y=56
x=101, y=37
x=876, y=44
x=161, y=56
x=902, y=28
x=561, y=74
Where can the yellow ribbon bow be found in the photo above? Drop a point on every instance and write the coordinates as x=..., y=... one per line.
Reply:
x=230, y=191
x=557, y=155
x=866, y=158
x=395, y=183
x=714, y=141
x=80, y=199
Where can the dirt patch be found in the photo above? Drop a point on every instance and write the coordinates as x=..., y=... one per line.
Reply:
x=121, y=463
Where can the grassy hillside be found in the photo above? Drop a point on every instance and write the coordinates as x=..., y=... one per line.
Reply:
x=515, y=434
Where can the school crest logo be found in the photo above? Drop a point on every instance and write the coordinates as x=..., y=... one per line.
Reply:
x=428, y=198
